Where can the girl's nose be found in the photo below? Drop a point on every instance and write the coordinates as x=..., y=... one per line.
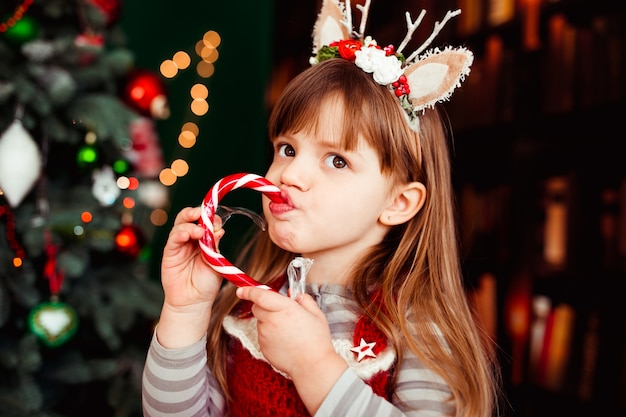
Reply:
x=297, y=173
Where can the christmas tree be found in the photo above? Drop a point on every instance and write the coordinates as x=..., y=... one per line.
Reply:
x=79, y=202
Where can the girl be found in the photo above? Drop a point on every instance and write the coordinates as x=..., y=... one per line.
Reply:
x=384, y=328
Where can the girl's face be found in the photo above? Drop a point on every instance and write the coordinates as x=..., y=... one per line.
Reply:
x=335, y=197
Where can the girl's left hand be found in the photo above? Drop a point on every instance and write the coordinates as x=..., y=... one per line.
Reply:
x=295, y=338
x=293, y=335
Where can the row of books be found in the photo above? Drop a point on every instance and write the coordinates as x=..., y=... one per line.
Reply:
x=564, y=327
x=553, y=345
x=556, y=66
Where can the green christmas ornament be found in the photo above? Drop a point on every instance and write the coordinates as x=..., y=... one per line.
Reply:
x=53, y=322
x=87, y=155
x=120, y=166
x=24, y=30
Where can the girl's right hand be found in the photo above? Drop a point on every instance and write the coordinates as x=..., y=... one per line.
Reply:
x=186, y=278
x=189, y=283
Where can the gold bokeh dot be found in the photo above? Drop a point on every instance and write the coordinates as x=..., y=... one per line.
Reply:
x=168, y=68
x=212, y=38
x=199, y=107
x=158, y=217
x=199, y=47
x=205, y=69
x=209, y=55
x=191, y=127
x=199, y=91
x=182, y=59
x=186, y=139
x=167, y=177
x=180, y=167
x=90, y=138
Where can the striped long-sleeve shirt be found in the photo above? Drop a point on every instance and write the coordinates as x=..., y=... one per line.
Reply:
x=178, y=383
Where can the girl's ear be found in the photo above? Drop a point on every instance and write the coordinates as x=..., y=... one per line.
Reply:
x=407, y=202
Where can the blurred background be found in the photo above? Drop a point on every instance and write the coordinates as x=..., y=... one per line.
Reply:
x=116, y=114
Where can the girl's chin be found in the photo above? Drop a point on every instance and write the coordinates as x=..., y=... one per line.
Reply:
x=281, y=239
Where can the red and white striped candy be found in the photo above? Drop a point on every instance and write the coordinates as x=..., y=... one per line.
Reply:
x=207, y=244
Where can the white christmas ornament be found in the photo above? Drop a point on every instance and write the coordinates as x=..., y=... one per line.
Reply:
x=104, y=187
x=20, y=163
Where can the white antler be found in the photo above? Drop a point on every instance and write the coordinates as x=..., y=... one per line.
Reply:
x=347, y=14
x=410, y=28
x=364, y=14
x=436, y=30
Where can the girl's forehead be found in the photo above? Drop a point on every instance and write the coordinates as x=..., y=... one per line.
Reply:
x=326, y=119
x=331, y=140
x=329, y=119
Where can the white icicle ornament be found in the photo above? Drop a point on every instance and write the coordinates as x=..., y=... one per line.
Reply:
x=20, y=163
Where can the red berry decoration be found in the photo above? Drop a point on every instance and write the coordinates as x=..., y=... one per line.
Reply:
x=401, y=87
x=389, y=50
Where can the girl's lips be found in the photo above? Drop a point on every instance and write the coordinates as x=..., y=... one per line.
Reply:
x=283, y=207
x=279, y=208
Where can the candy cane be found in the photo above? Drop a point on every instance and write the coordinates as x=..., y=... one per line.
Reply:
x=207, y=244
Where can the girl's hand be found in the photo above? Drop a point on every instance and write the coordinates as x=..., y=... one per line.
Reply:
x=187, y=279
x=291, y=333
x=189, y=283
x=295, y=338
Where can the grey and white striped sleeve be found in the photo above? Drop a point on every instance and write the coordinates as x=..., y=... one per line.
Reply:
x=419, y=392
x=177, y=383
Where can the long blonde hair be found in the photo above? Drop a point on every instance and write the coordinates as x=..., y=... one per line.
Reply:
x=416, y=266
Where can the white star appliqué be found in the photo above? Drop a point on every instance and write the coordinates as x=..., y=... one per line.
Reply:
x=364, y=349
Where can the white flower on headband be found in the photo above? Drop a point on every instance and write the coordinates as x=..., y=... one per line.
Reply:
x=419, y=81
x=385, y=69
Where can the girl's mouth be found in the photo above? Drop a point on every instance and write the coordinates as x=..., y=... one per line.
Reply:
x=279, y=208
x=282, y=207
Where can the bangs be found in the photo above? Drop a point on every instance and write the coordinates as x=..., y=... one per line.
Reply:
x=299, y=110
x=368, y=109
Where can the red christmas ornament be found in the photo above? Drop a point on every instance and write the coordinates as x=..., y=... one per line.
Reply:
x=89, y=46
x=145, y=92
x=129, y=240
x=111, y=9
x=145, y=154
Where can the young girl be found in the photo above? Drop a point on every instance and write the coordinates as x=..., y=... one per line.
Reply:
x=384, y=328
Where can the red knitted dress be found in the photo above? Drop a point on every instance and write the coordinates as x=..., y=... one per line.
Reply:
x=270, y=394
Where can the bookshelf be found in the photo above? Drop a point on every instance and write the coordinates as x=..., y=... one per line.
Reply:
x=542, y=197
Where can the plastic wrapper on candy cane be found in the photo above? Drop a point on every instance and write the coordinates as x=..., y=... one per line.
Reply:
x=216, y=260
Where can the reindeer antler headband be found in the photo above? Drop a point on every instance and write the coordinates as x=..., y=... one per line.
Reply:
x=418, y=81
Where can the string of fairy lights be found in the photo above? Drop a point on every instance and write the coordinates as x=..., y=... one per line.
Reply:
x=206, y=50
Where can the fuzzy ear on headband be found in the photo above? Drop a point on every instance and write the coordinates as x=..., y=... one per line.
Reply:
x=418, y=81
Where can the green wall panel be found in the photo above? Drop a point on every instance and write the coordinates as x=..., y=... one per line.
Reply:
x=232, y=134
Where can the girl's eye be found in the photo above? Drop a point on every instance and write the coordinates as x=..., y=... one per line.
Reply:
x=285, y=150
x=336, y=161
